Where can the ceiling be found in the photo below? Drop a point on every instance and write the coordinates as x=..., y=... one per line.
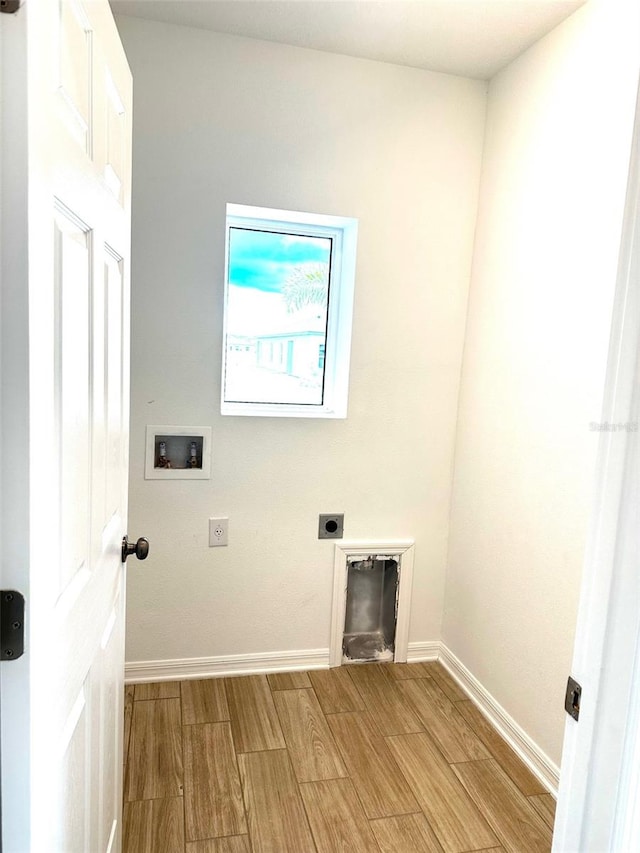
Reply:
x=474, y=38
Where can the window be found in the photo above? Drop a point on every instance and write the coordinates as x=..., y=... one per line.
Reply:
x=287, y=314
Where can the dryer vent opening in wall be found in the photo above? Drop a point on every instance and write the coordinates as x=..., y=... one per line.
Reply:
x=371, y=601
x=371, y=608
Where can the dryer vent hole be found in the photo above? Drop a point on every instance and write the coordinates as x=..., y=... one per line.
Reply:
x=371, y=609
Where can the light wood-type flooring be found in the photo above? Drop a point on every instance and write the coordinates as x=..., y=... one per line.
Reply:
x=369, y=758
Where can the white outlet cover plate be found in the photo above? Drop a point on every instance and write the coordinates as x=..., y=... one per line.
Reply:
x=218, y=532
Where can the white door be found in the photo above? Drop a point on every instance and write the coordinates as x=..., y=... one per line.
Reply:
x=66, y=126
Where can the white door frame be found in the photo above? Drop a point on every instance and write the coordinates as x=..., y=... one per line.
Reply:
x=599, y=796
x=14, y=428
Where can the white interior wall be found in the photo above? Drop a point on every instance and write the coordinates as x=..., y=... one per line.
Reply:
x=224, y=119
x=555, y=164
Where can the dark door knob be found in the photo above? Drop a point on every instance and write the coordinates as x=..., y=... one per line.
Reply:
x=139, y=548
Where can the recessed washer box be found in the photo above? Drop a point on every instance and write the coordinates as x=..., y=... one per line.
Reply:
x=178, y=453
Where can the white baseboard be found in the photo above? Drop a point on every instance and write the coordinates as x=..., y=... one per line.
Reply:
x=536, y=760
x=423, y=651
x=179, y=669
x=251, y=664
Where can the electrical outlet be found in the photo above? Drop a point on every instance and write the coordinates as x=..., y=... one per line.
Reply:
x=218, y=532
x=331, y=525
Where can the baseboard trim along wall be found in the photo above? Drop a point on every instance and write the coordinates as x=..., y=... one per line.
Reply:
x=418, y=652
x=536, y=760
x=181, y=669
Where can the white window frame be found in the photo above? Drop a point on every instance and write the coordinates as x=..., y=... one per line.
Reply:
x=343, y=231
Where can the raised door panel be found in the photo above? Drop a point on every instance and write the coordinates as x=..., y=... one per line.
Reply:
x=75, y=58
x=71, y=369
x=72, y=815
x=115, y=428
x=107, y=763
x=115, y=138
x=99, y=333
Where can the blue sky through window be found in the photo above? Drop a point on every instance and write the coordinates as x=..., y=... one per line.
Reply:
x=265, y=259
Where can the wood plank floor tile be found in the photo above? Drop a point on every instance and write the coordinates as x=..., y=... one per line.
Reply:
x=254, y=720
x=500, y=750
x=449, y=686
x=266, y=770
x=514, y=820
x=545, y=805
x=363, y=674
x=313, y=751
x=381, y=787
x=401, y=671
x=335, y=690
x=212, y=795
x=408, y=833
x=277, y=820
x=230, y=844
x=447, y=683
x=204, y=701
x=439, y=717
x=336, y=817
x=288, y=680
x=153, y=826
x=154, y=768
x=449, y=809
x=386, y=705
x=128, y=711
x=157, y=690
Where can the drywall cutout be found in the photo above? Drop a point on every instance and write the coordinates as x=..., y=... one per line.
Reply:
x=370, y=612
x=391, y=558
x=178, y=453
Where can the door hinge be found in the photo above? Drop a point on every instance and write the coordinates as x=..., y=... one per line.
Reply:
x=11, y=624
x=10, y=6
x=572, y=698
